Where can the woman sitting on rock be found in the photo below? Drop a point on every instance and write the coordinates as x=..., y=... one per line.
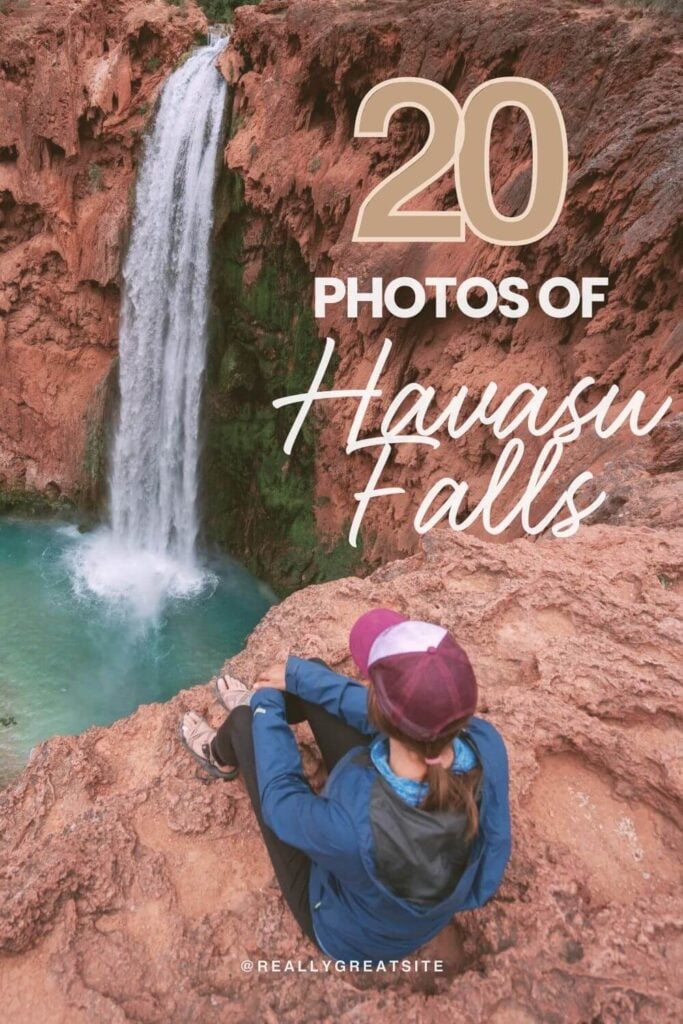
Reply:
x=413, y=823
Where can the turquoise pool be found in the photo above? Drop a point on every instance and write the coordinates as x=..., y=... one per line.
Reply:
x=70, y=659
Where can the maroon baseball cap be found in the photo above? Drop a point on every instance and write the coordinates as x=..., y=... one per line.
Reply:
x=365, y=631
x=422, y=678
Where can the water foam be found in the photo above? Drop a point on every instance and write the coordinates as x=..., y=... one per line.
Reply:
x=131, y=580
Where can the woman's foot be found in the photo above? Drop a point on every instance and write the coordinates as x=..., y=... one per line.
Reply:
x=197, y=736
x=231, y=692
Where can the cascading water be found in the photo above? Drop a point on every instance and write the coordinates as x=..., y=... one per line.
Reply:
x=164, y=316
x=149, y=551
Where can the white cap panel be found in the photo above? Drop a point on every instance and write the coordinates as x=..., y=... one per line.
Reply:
x=406, y=638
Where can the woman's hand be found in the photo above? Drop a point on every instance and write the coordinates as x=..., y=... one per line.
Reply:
x=273, y=677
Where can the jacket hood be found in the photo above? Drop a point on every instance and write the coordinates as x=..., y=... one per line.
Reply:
x=420, y=860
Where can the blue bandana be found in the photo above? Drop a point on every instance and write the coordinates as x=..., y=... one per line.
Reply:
x=464, y=760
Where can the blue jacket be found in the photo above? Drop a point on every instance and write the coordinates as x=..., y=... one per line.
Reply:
x=356, y=914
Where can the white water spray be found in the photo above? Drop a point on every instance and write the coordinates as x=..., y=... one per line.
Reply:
x=149, y=552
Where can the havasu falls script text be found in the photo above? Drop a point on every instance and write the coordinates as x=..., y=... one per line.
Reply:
x=412, y=418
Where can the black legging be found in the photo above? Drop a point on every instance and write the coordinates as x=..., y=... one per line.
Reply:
x=234, y=745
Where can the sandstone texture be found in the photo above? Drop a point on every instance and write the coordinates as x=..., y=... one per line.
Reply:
x=299, y=71
x=78, y=82
x=132, y=890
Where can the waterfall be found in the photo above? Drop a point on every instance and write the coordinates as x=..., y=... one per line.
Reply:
x=150, y=549
x=164, y=316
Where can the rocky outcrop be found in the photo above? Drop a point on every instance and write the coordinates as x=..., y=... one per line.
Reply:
x=299, y=71
x=78, y=82
x=131, y=890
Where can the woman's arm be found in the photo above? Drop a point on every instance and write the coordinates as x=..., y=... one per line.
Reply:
x=343, y=697
x=314, y=824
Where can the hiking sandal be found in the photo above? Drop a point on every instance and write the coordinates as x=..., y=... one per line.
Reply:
x=231, y=692
x=196, y=735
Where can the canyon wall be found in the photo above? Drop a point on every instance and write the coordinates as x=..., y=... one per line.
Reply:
x=77, y=86
x=299, y=71
x=78, y=83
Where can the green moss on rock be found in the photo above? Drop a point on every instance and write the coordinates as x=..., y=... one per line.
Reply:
x=222, y=10
x=100, y=418
x=16, y=501
x=259, y=503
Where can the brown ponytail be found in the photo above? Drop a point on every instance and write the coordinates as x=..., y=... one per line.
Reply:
x=448, y=791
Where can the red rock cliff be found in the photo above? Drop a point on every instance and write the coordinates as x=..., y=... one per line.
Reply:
x=77, y=83
x=299, y=71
